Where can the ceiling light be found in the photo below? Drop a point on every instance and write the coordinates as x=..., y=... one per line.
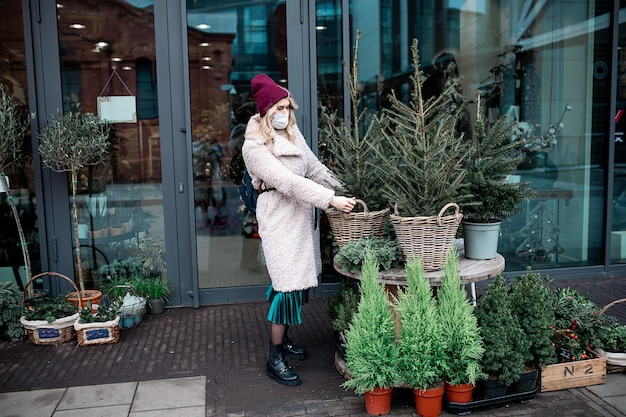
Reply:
x=203, y=26
x=320, y=27
x=204, y=44
x=102, y=44
x=206, y=67
x=116, y=59
x=127, y=68
x=77, y=26
x=206, y=58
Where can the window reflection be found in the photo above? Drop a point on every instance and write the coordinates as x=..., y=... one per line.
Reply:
x=20, y=173
x=229, y=43
x=120, y=202
x=525, y=61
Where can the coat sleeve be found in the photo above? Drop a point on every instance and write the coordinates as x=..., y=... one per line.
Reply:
x=262, y=163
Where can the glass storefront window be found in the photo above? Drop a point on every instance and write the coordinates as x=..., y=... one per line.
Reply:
x=228, y=45
x=120, y=202
x=546, y=66
x=20, y=173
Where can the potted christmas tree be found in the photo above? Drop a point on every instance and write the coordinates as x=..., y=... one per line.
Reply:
x=494, y=155
x=531, y=303
x=420, y=162
x=423, y=361
x=459, y=327
x=506, y=348
x=70, y=143
x=371, y=351
x=348, y=148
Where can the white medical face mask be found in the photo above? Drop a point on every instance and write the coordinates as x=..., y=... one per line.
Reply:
x=280, y=121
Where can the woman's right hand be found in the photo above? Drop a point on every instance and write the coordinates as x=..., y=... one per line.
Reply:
x=341, y=203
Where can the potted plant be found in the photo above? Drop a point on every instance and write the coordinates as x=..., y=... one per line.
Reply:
x=371, y=351
x=420, y=162
x=99, y=326
x=13, y=126
x=459, y=328
x=11, y=308
x=48, y=320
x=70, y=143
x=494, y=155
x=157, y=290
x=506, y=347
x=123, y=279
x=531, y=304
x=347, y=146
x=423, y=361
x=340, y=308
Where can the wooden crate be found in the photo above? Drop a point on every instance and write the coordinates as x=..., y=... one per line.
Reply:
x=573, y=374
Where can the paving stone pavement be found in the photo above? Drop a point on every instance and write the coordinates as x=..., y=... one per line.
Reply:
x=212, y=359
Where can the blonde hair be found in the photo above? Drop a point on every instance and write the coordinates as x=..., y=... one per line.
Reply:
x=266, y=123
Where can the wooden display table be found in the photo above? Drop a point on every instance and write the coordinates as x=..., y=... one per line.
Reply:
x=471, y=271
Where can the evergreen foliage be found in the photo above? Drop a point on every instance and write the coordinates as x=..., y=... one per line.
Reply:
x=341, y=306
x=348, y=144
x=10, y=312
x=420, y=157
x=531, y=303
x=506, y=348
x=494, y=155
x=459, y=327
x=352, y=255
x=371, y=352
x=423, y=360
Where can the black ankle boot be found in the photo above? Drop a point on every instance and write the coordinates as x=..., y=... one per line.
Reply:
x=278, y=369
x=292, y=351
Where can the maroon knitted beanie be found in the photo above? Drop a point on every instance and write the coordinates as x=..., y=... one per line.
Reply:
x=266, y=92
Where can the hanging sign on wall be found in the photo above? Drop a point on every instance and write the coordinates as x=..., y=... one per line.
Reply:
x=117, y=109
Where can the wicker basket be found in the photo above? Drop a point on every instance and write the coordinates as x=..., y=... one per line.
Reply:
x=98, y=333
x=615, y=361
x=429, y=237
x=40, y=332
x=350, y=227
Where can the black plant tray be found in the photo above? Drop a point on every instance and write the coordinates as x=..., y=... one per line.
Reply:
x=467, y=408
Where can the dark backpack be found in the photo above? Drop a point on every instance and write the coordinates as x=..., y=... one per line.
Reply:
x=247, y=193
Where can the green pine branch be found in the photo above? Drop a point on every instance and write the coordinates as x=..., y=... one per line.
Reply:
x=420, y=154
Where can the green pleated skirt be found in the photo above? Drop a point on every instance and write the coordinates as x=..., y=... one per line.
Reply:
x=286, y=307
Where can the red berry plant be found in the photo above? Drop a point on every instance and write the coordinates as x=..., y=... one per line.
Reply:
x=578, y=326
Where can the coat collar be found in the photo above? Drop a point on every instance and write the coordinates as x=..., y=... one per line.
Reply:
x=282, y=145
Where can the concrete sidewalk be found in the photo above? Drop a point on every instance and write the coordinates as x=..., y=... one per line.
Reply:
x=210, y=362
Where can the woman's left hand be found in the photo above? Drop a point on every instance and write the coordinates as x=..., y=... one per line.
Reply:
x=341, y=203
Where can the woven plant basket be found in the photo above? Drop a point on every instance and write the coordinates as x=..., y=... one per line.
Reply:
x=98, y=333
x=615, y=361
x=40, y=332
x=350, y=227
x=427, y=237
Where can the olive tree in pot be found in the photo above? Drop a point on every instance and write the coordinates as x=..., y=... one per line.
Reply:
x=70, y=143
x=13, y=127
x=494, y=155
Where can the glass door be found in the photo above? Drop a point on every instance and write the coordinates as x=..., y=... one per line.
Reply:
x=229, y=43
x=108, y=67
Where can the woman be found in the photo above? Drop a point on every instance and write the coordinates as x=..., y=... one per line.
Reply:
x=292, y=182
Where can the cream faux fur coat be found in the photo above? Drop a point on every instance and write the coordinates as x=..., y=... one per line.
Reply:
x=286, y=215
